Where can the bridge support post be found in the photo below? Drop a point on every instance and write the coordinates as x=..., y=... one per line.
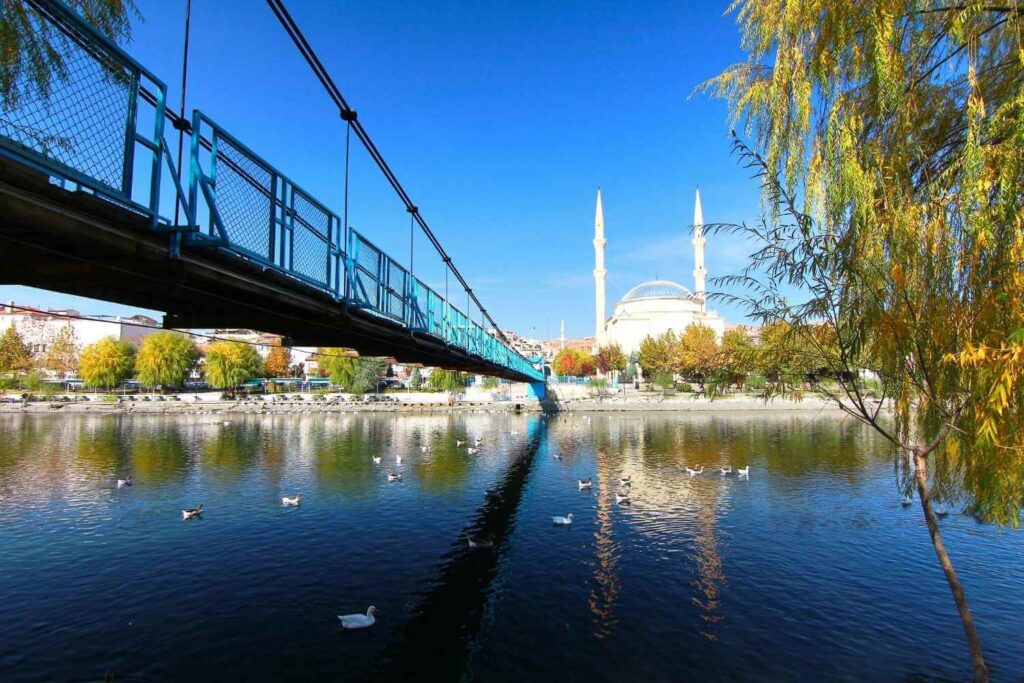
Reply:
x=538, y=390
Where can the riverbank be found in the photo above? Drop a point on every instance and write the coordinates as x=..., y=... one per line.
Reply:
x=628, y=404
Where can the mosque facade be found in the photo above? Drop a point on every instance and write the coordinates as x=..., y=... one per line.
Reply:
x=653, y=307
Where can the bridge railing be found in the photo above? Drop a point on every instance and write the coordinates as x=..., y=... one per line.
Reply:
x=94, y=119
x=256, y=212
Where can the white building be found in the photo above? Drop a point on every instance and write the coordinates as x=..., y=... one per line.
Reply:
x=39, y=328
x=657, y=306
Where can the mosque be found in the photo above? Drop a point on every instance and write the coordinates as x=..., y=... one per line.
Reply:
x=653, y=307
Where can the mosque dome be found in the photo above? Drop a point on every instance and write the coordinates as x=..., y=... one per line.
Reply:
x=657, y=289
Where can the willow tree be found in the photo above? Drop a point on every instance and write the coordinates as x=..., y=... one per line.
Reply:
x=165, y=359
x=106, y=363
x=228, y=364
x=889, y=135
x=33, y=54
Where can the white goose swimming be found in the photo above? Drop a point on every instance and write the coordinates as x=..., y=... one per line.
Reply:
x=423, y=449
x=907, y=501
x=692, y=472
x=472, y=451
x=398, y=460
x=394, y=476
x=941, y=511
x=189, y=513
x=124, y=482
x=458, y=443
x=351, y=621
x=558, y=456
x=622, y=497
x=587, y=483
x=376, y=460
x=291, y=500
x=726, y=470
x=743, y=471
x=562, y=521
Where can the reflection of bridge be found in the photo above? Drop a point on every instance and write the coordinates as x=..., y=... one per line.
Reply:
x=92, y=204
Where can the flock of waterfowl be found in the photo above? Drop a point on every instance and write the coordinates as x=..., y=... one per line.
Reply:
x=479, y=541
x=622, y=494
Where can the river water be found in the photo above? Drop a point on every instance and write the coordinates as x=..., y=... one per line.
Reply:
x=810, y=569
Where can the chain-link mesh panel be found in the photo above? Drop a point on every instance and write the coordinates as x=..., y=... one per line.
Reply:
x=395, y=304
x=80, y=121
x=367, y=263
x=243, y=192
x=435, y=304
x=310, y=241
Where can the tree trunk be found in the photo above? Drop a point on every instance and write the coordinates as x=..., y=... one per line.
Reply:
x=973, y=642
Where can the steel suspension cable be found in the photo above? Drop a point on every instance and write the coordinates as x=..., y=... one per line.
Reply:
x=184, y=83
x=349, y=114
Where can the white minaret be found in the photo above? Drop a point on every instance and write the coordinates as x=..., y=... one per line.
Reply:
x=599, y=272
x=699, y=272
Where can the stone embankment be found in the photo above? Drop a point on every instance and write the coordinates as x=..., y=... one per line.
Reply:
x=632, y=403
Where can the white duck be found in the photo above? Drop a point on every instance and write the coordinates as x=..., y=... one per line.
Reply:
x=394, y=476
x=291, y=500
x=693, y=472
x=558, y=456
x=941, y=511
x=726, y=470
x=743, y=471
x=423, y=449
x=398, y=460
x=458, y=443
x=562, y=521
x=907, y=501
x=471, y=450
x=351, y=621
x=189, y=513
x=622, y=497
x=124, y=482
x=587, y=483
x=376, y=460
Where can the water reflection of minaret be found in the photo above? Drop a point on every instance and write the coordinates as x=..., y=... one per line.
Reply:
x=607, y=550
x=709, y=566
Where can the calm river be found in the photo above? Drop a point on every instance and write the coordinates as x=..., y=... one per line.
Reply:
x=810, y=569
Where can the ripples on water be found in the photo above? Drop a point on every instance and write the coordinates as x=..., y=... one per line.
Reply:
x=809, y=570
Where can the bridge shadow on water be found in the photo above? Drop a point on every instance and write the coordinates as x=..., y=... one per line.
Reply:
x=438, y=638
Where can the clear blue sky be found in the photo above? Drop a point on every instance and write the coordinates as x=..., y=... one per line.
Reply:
x=501, y=120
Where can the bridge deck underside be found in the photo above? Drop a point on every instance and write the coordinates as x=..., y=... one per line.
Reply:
x=76, y=243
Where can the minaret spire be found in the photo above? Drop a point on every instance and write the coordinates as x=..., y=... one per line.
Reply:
x=699, y=272
x=599, y=271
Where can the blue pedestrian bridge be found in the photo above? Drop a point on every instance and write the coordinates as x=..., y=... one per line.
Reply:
x=94, y=203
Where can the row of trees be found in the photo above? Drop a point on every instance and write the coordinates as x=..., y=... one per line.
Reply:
x=786, y=357
x=167, y=359
x=576, y=363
